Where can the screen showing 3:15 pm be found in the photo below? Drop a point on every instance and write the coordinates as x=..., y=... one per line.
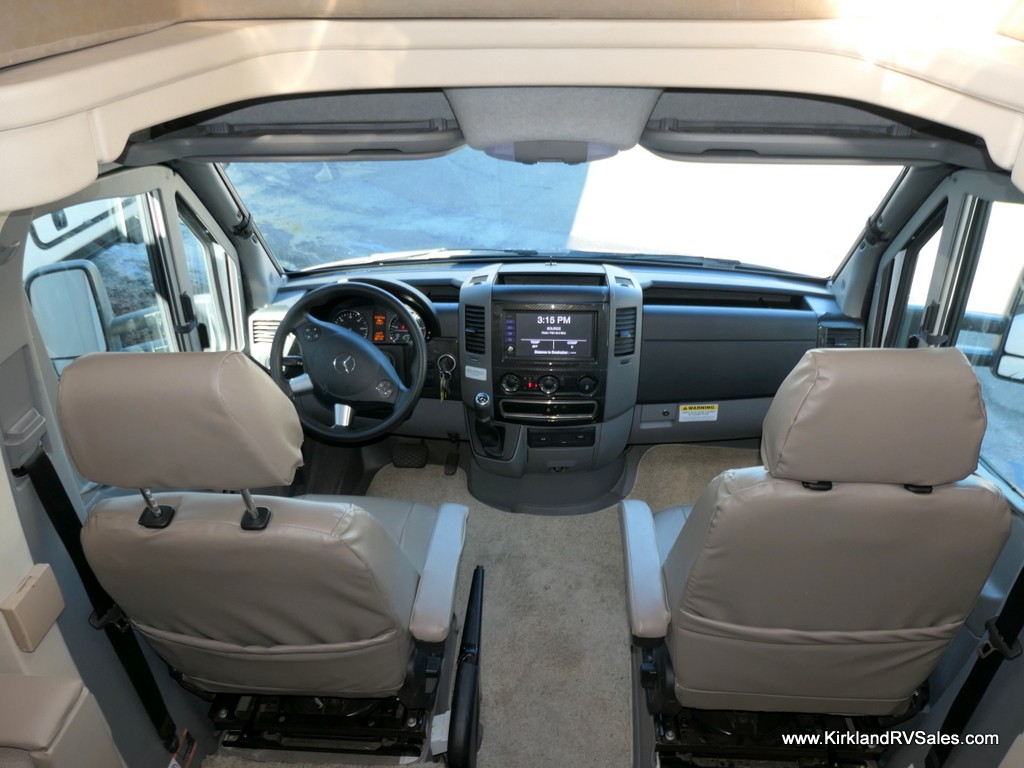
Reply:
x=553, y=335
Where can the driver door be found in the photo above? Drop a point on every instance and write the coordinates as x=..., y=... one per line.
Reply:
x=133, y=264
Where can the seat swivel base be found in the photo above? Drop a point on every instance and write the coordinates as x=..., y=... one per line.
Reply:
x=382, y=727
x=727, y=739
x=682, y=737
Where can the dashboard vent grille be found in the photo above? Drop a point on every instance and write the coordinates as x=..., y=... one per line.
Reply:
x=476, y=330
x=525, y=278
x=625, y=331
x=833, y=336
x=263, y=331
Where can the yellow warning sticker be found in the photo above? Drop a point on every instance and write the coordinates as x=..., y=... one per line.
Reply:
x=700, y=412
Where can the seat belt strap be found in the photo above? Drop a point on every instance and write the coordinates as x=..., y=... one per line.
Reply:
x=1001, y=644
x=106, y=613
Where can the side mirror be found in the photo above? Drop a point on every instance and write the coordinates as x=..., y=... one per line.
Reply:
x=72, y=309
x=1010, y=360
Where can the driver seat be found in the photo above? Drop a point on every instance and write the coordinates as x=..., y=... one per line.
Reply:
x=327, y=597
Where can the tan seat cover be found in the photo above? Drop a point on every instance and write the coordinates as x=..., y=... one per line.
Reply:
x=326, y=600
x=319, y=602
x=842, y=600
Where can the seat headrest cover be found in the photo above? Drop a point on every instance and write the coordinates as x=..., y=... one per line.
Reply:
x=178, y=420
x=904, y=416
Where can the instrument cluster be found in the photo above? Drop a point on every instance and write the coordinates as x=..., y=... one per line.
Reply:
x=377, y=324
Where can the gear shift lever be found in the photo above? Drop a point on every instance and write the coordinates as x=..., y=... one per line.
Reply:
x=490, y=435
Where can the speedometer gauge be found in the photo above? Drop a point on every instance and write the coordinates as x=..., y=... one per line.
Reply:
x=398, y=332
x=353, y=320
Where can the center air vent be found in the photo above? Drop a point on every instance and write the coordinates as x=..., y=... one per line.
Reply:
x=557, y=278
x=625, y=331
x=476, y=330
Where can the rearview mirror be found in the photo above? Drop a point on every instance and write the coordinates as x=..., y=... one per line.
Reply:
x=1010, y=360
x=71, y=308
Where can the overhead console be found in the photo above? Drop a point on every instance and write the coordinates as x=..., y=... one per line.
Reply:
x=550, y=365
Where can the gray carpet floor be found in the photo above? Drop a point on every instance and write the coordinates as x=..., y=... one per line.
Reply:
x=555, y=646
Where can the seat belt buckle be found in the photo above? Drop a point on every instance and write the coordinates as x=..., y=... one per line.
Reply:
x=995, y=643
x=114, y=616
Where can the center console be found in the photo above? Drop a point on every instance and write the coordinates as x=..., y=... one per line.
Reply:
x=550, y=365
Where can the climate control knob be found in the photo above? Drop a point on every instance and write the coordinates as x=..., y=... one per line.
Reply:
x=548, y=385
x=510, y=383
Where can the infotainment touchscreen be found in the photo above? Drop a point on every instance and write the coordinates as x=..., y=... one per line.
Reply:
x=550, y=335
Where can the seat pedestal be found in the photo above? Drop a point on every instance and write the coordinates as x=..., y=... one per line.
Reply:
x=320, y=724
x=683, y=737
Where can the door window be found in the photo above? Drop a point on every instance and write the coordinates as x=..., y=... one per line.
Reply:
x=204, y=259
x=911, y=279
x=992, y=303
x=93, y=277
x=917, y=297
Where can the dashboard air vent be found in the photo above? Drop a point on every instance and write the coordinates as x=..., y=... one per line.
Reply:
x=557, y=278
x=476, y=330
x=263, y=331
x=838, y=336
x=625, y=331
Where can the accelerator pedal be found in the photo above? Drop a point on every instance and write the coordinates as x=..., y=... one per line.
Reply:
x=451, y=462
x=409, y=455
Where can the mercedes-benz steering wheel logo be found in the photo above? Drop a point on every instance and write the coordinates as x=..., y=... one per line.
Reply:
x=345, y=364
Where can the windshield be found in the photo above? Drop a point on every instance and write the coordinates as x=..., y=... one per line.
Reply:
x=800, y=218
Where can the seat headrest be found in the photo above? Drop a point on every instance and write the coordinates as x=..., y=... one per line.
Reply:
x=904, y=416
x=178, y=420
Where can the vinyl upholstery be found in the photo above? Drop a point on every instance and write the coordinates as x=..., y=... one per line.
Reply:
x=328, y=599
x=178, y=420
x=786, y=598
x=876, y=416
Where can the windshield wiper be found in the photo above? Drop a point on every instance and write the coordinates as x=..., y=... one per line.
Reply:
x=432, y=254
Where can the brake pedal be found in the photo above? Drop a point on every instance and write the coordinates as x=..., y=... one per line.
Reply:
x=451, y=463
x=409, y=455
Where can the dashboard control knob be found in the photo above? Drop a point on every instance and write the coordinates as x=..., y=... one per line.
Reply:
x=482, y=399
x=548, y=385
x=586, y=384
x=511, y=383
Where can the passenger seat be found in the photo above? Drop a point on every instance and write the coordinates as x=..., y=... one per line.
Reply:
x=833, y=578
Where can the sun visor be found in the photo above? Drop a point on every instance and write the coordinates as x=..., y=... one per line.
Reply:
x=357, y=126
x=747, y=127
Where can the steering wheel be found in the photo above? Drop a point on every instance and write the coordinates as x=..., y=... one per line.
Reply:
x=345, y=374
